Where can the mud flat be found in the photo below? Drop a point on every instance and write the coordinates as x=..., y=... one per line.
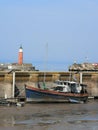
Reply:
x=50, y=116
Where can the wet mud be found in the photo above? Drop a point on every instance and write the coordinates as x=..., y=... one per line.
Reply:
x=55, y=116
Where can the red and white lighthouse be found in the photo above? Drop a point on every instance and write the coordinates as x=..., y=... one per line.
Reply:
x=20, y=56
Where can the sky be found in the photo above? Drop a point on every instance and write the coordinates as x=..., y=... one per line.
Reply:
x=54, y=34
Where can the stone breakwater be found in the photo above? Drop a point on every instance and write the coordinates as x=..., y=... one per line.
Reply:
x=32, y=77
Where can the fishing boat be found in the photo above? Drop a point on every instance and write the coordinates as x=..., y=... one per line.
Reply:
x=63, y=91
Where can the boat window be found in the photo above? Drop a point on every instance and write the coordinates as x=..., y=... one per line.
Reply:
x=60, y=83
x=73, y=87
x=59, y=88
x=77, y=85
x=69, y=84
x=65, y=83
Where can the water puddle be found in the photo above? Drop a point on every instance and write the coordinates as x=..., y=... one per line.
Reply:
x=82, y=121
x=37, y=122
x=39, y=119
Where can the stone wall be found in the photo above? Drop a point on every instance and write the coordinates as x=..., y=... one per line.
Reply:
x=32, y=77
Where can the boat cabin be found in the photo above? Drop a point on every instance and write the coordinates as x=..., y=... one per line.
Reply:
x=70, y=86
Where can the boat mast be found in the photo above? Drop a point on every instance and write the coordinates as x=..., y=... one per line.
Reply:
x=46, y=57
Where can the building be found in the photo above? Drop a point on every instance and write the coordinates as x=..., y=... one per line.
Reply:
x=84, y=67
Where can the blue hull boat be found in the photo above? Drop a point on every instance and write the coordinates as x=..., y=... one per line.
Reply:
x=34, y=94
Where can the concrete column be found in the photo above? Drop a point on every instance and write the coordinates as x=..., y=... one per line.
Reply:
x=80, y=77
x=13, y=89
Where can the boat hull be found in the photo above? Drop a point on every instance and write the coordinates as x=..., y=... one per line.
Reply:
x=39, y=95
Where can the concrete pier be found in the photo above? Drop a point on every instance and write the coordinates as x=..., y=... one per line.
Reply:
x=32, y=77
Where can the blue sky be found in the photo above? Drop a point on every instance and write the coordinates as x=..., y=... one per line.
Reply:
x=69, y=27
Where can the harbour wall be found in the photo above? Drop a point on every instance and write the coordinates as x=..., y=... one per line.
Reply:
x=33, y=77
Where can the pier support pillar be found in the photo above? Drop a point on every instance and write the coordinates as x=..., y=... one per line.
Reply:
x=81, y=77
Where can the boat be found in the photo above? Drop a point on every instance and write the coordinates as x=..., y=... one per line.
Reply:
x=63, y=91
